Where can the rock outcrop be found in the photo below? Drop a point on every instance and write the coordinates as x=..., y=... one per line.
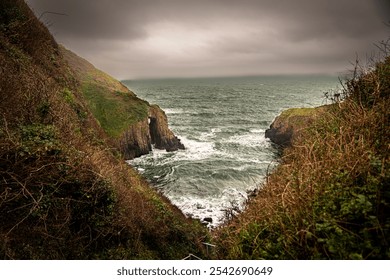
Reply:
x=161, y=136
x=290, y=123
x=154, y=130
x=136, y=141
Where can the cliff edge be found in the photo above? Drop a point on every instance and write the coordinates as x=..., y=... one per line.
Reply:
x=290, y=123
x=133, y=124
x=161, y=136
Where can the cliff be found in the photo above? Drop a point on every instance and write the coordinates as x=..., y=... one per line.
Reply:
x=161, y=136
x=132, y=123
x=291, y=123
x=138, y=139
x=64, y=191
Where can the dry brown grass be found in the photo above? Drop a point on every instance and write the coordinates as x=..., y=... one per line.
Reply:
x=64, y=192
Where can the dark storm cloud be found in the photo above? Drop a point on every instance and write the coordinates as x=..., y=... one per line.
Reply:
x=102, y=19
x=115, y=18
x=384, y=9
x=217, y=37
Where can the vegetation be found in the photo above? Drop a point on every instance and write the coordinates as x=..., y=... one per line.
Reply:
x=113, y=113
x=64, y=194
x=329, y=198
x=112, y=104
x=290, y=123
x=298, y=112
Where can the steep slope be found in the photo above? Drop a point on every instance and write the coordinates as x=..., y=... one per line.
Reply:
x=121, y=113
x=329, y=198
x=63, y=193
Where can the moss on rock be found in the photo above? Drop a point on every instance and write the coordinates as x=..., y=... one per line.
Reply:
x=290, y=123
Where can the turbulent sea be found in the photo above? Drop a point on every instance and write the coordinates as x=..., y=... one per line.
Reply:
x=221, y=122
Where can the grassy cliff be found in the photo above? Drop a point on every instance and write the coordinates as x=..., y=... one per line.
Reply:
x=114, y=106
x=290, y=123
x=63, y=193
x=330, y=196
x=132, y=124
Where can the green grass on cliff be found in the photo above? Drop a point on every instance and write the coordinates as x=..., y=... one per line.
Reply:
x=115, y=111
x=299, y=118
x=301, y=115
x=330, y=197
x=113, y=105
x=297, y=112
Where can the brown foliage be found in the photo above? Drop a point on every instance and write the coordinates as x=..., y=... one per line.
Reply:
x=64, y=192
x=329, y=197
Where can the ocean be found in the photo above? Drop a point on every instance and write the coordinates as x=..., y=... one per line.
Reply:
x=221, y=122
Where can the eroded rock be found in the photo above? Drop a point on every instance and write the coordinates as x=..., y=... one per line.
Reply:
x=138, y=139
x=161, y=136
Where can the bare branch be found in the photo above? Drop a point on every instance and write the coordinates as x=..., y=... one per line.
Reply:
x=52, y=13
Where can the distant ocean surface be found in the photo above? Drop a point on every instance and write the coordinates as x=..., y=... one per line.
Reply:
x=221, y=122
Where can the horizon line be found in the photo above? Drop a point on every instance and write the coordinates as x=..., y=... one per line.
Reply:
x=339, y=74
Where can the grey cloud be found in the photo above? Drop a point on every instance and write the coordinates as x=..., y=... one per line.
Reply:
x=253, y=35
x=103, y=19
x=113, y=18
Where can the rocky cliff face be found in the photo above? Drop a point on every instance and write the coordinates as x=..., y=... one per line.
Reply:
x=161, y=136
x=290, y=123
x=153, y=130
x=136, y=140
x=132, y=123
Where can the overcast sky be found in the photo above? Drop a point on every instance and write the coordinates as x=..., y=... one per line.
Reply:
x=193, y=38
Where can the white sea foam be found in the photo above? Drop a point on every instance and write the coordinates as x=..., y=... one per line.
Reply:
x=212, y=207
x=254, y=138
x=173, y=111
x=209, y=135
x=257, y=130
x=196, y=150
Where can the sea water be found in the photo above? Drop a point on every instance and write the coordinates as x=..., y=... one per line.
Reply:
x=221, y=122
